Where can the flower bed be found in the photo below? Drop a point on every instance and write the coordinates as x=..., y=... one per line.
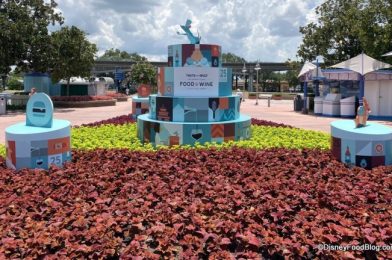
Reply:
x=118, y=120
x=231, y=201
x=120, y=97
x=80, y=98
x=229, y=204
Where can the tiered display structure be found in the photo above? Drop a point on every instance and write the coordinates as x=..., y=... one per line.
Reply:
x=41, y=140
x=194, y=101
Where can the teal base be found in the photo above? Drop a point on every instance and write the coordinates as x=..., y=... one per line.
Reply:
x=38, y=147
x=367, y=147
x=189, y=133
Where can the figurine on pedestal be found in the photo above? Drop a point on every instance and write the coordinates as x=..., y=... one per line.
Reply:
x=362, y=114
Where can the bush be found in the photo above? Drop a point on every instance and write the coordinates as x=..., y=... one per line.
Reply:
x=14, y=83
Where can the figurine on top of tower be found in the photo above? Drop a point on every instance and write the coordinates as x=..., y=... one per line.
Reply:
x=193, y=39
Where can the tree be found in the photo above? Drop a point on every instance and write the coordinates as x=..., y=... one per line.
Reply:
x=74, y=55
x=118, y=55
x=29, y=21
x=24, y=38
x=292, y=75
x=142, y=72
x=230, y=57
x=345, y=28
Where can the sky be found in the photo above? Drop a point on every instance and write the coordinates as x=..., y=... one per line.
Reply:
x=264, y=30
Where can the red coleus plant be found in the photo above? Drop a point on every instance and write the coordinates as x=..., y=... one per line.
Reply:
x=226, y=204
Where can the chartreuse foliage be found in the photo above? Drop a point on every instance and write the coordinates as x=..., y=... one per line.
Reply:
x=125, y=136
x=2, y=150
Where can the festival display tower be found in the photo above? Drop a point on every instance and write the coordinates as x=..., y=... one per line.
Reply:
x=41, y=140
x=194, y=101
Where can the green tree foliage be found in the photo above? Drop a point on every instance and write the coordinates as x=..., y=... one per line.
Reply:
x=24, y=39
x=232, y=58
x=118, y=55
x=74, y=54
x=292, y=75
x=142, y=72
x=345, y=28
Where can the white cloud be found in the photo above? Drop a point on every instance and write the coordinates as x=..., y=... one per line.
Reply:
x=254, y=29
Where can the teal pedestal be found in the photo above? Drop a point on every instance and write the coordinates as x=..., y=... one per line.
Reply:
x=38, y=147
x=366, y=147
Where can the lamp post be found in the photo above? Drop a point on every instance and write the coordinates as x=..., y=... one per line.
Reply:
x=257, y=68
x=244, y=71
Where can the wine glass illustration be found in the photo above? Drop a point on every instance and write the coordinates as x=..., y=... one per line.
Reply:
x=214, y=107
x=196, y=133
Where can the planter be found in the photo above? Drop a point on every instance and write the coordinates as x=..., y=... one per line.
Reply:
x=144, y=90
x=94, y=103
x=121, y=99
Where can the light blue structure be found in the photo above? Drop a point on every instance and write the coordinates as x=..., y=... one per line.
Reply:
x=40, y=81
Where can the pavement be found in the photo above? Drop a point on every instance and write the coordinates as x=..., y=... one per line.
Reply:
x=279, y=111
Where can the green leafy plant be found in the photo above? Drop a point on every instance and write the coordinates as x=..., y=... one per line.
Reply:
x=109, y=136
x=2, y=150
x=125, y=136
x=142, y=72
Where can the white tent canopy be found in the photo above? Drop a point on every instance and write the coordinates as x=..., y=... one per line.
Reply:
x=308, y=66
x=362, y=64
x=388, y=54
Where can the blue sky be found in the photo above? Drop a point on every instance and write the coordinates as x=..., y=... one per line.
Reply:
x=265, y=30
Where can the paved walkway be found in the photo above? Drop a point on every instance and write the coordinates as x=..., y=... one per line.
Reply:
x=76, y=116
x=280, y=111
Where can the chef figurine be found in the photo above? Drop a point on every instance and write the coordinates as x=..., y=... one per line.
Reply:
x=362, y=114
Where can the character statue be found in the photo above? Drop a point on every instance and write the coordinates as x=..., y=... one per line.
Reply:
x=193, y=39
x=362, y=114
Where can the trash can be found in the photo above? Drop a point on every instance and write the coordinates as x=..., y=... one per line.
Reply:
x=3, y=105
x=318, y=105
x=347, y=107
x=298, y=103
x=310, y=102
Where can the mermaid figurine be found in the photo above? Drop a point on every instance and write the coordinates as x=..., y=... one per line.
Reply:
x=193, y=39
x=362, y=114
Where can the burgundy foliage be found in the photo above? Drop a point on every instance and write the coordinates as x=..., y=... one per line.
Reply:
x=119, y=120
x=114, y=94
x=229, y=204
x=268, y=123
